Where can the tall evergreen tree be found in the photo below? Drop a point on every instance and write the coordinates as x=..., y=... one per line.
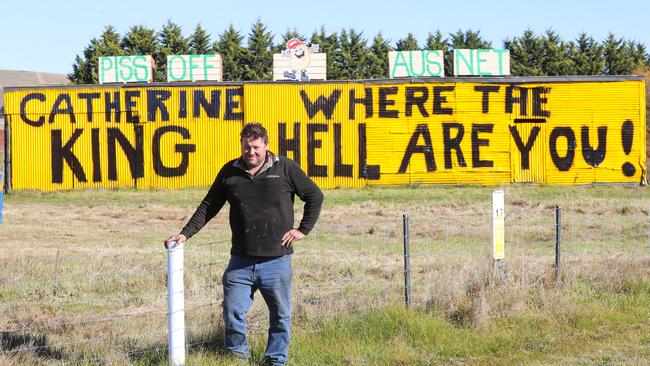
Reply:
x=468, y=39
x=354, y=53
x=172, y=42
x=258, y=58
x=329, y=44
x=349, y=57
x=230, y=47
x=618, y=60
x=526, y=54
x=78, y=68
x=199, y=41
x=557, y=55
x=378, y=57
x=436, y=41
x=110, y=43
x=464, y=40
x=140, y=40
x=638, y=53
x=407, y=44
x=86, y=70
x=587, y=56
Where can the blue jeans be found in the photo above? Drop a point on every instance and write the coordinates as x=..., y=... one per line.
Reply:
x=272, y=277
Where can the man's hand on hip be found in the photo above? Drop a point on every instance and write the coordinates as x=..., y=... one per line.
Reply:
x=290, y=237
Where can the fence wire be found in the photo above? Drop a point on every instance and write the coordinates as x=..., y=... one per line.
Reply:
x=109, y=307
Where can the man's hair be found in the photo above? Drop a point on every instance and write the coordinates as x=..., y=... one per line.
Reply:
x=254, y=130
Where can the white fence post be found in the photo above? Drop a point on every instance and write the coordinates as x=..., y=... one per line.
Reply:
x=176, y=305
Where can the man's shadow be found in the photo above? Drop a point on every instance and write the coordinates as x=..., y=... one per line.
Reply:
x=15, y=342
x=210, y=343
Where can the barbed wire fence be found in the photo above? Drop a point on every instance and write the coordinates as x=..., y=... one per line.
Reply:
x=109, y=305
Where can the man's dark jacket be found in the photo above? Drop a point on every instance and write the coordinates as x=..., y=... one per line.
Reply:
x=261, y=206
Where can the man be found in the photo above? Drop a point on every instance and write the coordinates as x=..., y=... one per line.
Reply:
x=259, y=187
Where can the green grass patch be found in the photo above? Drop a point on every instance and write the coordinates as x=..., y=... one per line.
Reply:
x=614, y=316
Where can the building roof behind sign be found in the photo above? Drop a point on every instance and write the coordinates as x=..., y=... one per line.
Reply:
x=27, y=78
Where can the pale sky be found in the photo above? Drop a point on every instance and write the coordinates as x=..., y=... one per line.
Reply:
x=44, y=35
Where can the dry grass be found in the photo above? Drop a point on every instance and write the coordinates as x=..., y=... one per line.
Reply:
x=84, y=277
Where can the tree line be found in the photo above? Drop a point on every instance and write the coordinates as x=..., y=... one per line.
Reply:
x=351, y=56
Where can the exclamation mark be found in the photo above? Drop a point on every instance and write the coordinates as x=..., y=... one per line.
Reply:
x=627, y=137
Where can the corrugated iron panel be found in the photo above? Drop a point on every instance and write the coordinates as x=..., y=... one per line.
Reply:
x=163, y=137
x=437, y=133
x=578, y=111
x=310, y=124
x=642, y=134
x=528, y=166
x=343, y=134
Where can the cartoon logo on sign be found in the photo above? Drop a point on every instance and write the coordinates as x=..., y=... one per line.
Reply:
x=299, y=59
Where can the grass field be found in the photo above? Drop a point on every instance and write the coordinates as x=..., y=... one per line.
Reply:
x=84, y=276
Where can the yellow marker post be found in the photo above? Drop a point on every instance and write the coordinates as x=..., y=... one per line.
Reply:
x=498, y=225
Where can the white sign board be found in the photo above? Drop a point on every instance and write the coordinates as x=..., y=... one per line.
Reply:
x=498, y=225
x=481, y=62
x=292, y=68
x=125, y=69
x=194, y=67
x=416, y=63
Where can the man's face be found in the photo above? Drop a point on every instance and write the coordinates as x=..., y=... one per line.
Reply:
x=253, y=151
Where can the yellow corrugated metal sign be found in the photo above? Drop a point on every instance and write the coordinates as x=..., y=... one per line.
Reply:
x=141, y=137
x=437, y=133
x=530, y=166
x=310, y=124
x=452, y=131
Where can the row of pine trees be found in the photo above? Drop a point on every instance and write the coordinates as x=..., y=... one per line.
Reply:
x=351, y=56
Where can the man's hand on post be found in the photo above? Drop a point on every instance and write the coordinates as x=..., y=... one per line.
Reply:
x=290, y=237
x=178, y=238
